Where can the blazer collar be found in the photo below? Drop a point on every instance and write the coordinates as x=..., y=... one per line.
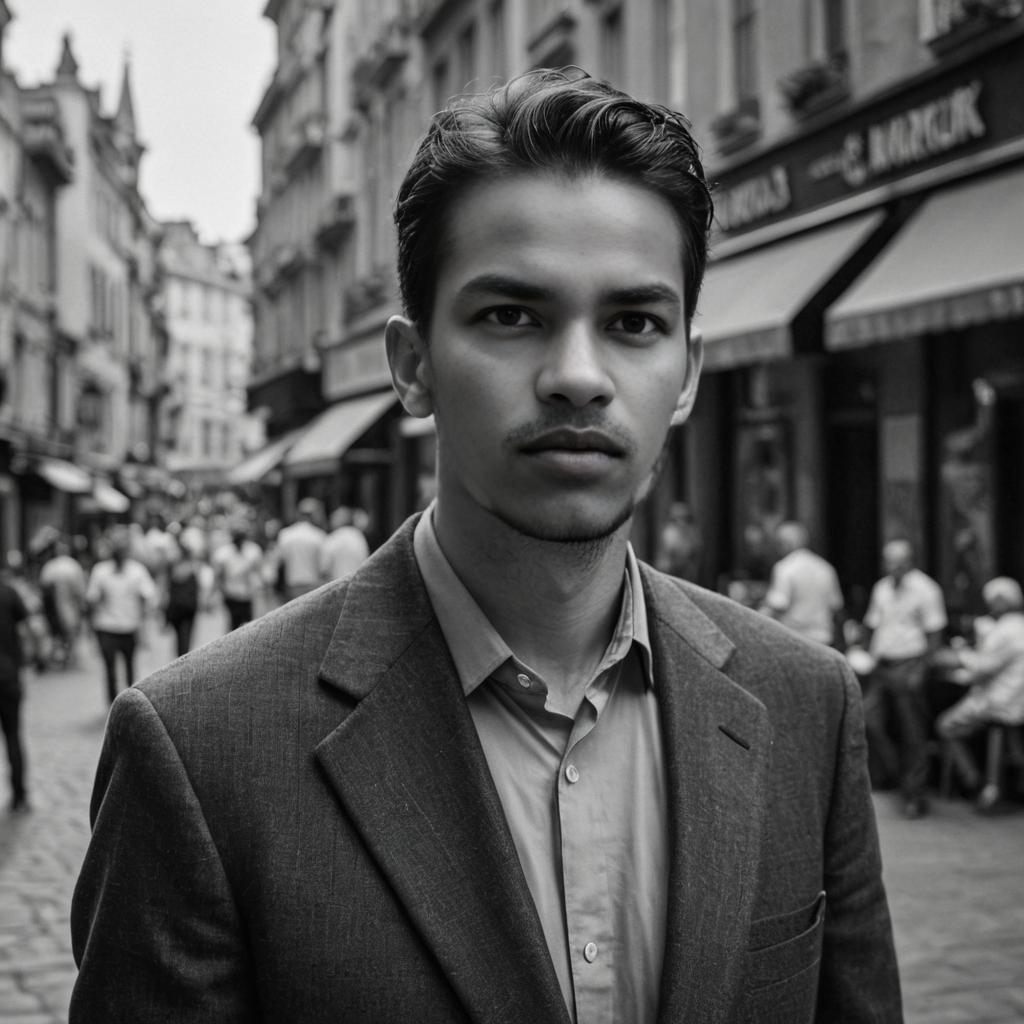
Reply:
x=717, y=744
x=410, y=773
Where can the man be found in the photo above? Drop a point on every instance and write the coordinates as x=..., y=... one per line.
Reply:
x=905, y=619
x=299, y=550
x=505, y=773
x=120, y=595
x=237, y=567
x=995, y=673
x=803, y=592
x=680, y=544
x=14, y=616
x=345, y=547
x=62, y=581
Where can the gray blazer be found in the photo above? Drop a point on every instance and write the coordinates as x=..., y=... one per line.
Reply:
x=296, y=824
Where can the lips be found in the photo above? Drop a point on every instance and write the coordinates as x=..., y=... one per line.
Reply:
x=566, y=439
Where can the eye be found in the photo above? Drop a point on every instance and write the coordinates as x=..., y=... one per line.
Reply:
x=635, y=323
x=509, y=316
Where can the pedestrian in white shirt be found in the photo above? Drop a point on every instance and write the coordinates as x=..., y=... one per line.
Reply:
x=804, y=592
x=299, y=550
x=236, y=567
x=345, y=547
x=120, y=595
x=905, y=617
x=995, y=673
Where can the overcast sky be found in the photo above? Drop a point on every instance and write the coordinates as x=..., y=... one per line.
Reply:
x=199, y=68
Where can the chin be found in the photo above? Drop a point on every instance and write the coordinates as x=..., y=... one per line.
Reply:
x=566, y=526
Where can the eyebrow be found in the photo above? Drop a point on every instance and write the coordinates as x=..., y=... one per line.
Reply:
x=524, y=291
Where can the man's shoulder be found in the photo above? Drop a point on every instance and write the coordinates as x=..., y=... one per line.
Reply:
x=280, y=651
x=748, y=631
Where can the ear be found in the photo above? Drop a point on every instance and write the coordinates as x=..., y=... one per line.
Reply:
x=409, y=360
x=694, y=361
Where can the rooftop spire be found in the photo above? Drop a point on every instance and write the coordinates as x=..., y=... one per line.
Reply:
x=124, y=119
x=67, y=67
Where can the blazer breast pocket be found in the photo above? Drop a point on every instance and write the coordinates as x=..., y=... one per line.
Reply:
x=782, y=961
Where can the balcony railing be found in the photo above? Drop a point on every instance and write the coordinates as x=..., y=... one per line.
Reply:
x=43, y=136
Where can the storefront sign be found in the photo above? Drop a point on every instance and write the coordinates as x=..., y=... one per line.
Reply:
x=356, y=366
x=753, y=199
x=970, y=109
x=906, y=139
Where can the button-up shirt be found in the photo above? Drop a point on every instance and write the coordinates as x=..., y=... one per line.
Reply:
x=902, y=616
x=584, y=797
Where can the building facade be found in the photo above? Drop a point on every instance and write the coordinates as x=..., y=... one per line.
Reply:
x=862, y=314
x=36, y=365
x=106, y=313
x=862, y=309
x=205, y=429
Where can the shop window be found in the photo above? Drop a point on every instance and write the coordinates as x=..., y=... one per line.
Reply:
x=763, y=499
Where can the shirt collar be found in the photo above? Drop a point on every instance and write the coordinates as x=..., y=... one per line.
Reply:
x=476, y=647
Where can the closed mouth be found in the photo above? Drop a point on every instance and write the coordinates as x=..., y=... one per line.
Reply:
x=567, y=439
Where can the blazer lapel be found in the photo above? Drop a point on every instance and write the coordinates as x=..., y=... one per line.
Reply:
x=717, y=743
x=409, y=770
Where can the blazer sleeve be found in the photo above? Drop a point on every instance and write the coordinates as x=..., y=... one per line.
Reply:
x=859, y=980
x=155, y=930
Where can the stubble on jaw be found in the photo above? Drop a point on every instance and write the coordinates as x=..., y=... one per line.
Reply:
x=584, y=543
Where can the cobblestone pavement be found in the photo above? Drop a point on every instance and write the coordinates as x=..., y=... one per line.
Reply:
x=955, y=880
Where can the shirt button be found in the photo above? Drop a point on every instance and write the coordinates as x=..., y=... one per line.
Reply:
x=523, y=681
x=590, y=952
x=573, y=775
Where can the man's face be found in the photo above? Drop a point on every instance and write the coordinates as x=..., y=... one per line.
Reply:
x=557, y=353
x=897, y=560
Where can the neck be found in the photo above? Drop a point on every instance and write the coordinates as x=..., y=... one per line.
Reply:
x=555, y=604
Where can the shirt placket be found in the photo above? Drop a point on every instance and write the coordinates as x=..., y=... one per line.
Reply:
x=584, y=870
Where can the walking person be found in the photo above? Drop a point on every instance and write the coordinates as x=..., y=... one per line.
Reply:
x=905, y=619
x=120, y=594
x=680, y=544
x=237, y=574
x=803, y=590
x=505, y=772
x=15, y=620
x=344, y=548
x=183, y=590
x=300, y=551
x=62, y=581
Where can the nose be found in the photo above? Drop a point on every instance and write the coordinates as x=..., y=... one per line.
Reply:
x=574, y=369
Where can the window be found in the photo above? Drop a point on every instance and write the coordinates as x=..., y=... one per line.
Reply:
x=835, y=28
x=496, y=40
x=744, y=34
x=442, y=90
x=611, y=45
x=207, y=368
x=662, y=47
x=466, y=52
x=206, y=438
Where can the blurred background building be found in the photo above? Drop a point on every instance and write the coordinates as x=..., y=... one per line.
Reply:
x=205, y=428
x=863, y=312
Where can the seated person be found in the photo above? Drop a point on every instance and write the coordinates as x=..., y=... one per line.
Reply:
x=995, y=673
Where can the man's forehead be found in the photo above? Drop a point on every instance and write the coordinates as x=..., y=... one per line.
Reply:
x=536, y=227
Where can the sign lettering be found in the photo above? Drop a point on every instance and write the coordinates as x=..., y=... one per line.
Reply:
x=753, y=199
x=907, y=138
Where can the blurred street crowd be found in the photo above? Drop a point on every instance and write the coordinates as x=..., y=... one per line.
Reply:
x=943, y=697
x=944, y=707
x=155, y=575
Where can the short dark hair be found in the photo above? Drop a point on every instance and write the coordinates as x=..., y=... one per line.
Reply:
x=562, y=121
